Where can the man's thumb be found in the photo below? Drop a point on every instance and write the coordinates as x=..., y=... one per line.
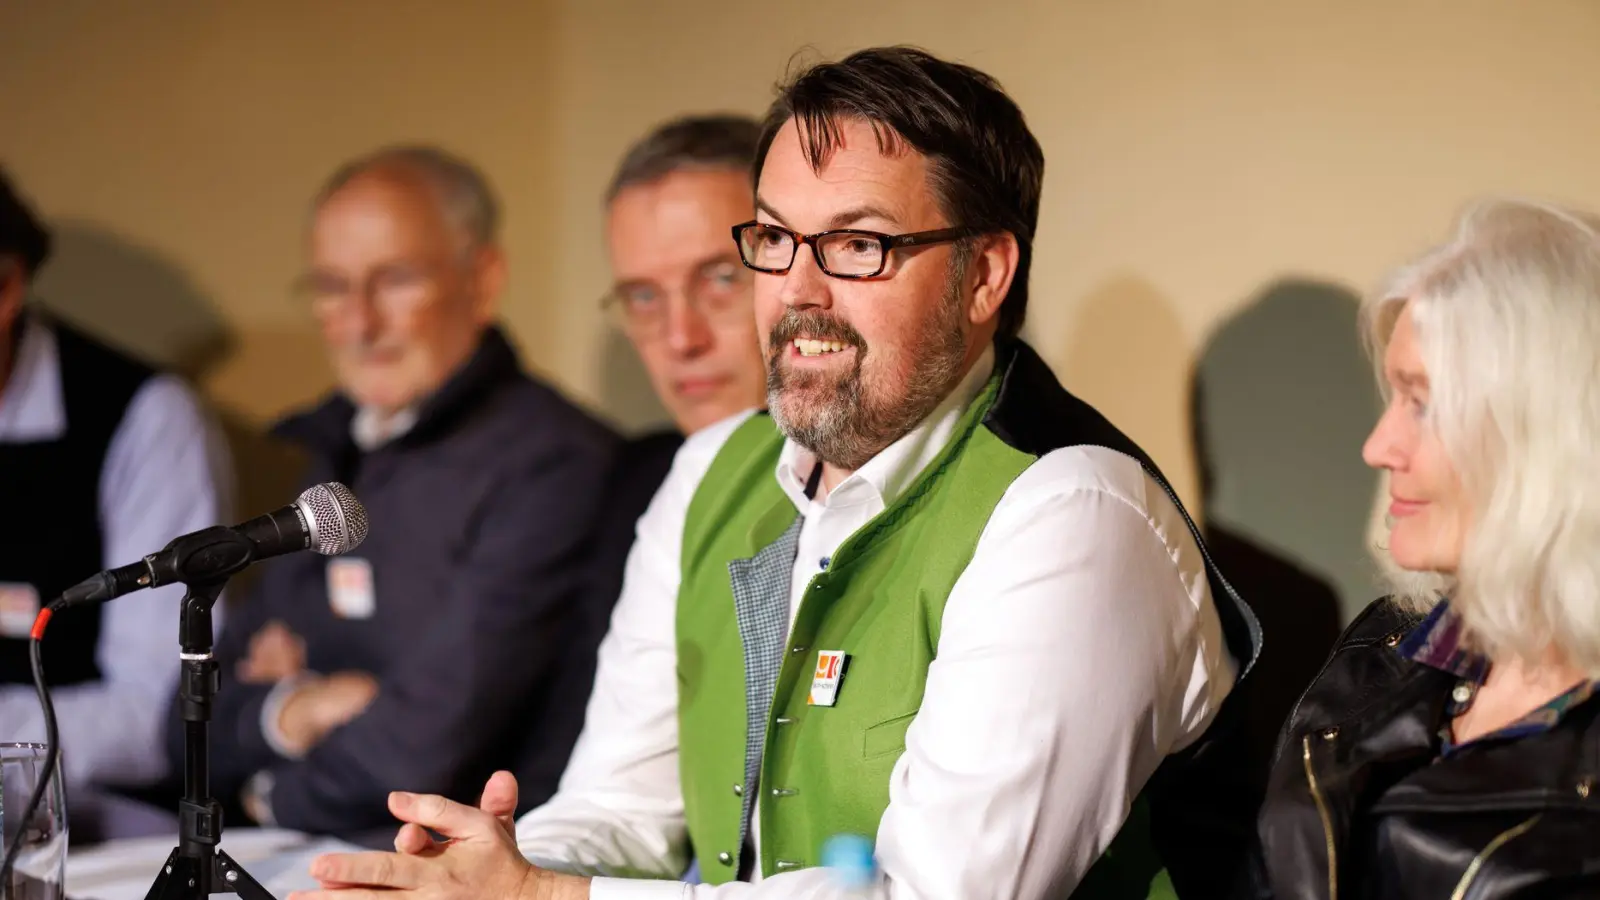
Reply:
x=500, y=796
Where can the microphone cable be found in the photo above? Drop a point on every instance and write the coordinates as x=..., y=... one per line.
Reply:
x=52, y=740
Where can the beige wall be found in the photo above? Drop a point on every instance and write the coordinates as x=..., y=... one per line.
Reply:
x=177, y=142
x=1204, y=160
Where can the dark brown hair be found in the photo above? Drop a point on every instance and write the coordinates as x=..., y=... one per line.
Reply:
x=719, y=141
x=986, y=167
x=21, y=232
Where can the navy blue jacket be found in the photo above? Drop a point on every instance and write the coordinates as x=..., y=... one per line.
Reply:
x=641, y=465
x=482, y=517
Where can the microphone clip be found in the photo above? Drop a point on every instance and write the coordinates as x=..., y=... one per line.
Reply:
x=202, y=557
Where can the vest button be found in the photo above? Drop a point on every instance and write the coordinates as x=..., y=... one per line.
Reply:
x=725, y=858
x=738, y=790
x=797, y=649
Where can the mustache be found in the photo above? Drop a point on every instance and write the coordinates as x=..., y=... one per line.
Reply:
x=813, y=324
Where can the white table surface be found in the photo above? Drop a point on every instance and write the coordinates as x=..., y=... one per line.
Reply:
x=124, y=869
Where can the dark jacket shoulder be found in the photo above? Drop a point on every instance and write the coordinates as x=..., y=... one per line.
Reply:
x=491, y=402
x=1363, y=794
x=1360, y=668
x=1382, y=619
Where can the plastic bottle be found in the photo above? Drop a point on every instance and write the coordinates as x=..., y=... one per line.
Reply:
x=849, y=859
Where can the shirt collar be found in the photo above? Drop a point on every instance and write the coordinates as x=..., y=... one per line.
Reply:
x=31, y=408
x=339, y=423
x=886, y=475
x=1438, y=643
x=371, y=428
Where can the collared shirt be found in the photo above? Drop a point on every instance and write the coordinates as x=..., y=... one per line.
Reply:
x=1079, y=647
x=1438, y=643
x=371, y=429
x=161, y=478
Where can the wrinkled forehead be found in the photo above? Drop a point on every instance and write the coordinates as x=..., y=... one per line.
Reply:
x=382, y=212
x=680, y=221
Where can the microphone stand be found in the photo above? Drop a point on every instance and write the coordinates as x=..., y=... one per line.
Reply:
x=197, y=867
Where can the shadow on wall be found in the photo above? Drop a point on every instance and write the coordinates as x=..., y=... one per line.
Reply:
x=1283, y=397
x=625, y=391
x=136, y=300
x=1130, y=358
x=131, y=298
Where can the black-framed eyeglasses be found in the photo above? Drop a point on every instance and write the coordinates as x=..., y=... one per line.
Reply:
x=843, y=253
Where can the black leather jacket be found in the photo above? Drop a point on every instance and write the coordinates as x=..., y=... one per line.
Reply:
x=1359, y=803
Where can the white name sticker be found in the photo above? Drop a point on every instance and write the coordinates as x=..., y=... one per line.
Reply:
x=350, y=589
x=825, y=683
x=19, y=606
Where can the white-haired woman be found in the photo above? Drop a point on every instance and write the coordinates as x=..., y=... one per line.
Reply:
x=1450, y=748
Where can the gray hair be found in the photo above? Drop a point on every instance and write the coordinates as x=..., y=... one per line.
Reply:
x=463, y=193
x=1507, y=319
x=721, y=141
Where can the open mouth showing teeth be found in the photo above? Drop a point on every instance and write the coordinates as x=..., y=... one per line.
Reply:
x=809, y=347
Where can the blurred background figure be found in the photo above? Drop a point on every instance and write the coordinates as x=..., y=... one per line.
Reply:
x=419, y=661
x=682, y=298
x=103, y=460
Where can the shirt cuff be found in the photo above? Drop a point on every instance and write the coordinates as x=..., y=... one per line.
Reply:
x=272, y=708
x=258, y=798
x=636, y=889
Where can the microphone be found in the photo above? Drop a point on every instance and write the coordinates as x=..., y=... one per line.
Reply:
x=327, y=519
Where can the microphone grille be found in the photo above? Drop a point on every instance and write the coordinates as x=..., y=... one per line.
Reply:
x=337, y=520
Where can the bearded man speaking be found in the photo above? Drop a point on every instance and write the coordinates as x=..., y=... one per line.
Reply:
x=928, y=596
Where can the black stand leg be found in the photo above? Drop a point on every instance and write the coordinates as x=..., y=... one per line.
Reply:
x=184, y=877
x=197, y=868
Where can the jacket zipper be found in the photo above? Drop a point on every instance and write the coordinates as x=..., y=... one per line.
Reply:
x=1327, y=823
x=1499, y=841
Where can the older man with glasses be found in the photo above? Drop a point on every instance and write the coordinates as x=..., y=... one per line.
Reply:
x=419, y=660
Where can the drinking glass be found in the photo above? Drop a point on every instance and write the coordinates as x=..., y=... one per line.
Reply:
x=40, y=870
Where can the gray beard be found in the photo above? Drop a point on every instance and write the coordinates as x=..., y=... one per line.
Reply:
x=845, y=423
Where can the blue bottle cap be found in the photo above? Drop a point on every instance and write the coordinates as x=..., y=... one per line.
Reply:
x=849, y=857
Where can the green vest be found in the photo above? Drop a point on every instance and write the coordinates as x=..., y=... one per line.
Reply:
x=825, y=771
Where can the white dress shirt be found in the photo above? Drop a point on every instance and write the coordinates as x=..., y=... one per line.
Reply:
x=1078, y=648
x=163, y=476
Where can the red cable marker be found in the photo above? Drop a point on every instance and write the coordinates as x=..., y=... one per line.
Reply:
x=40, y=623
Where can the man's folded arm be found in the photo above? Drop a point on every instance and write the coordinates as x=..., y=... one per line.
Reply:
x=508, y=609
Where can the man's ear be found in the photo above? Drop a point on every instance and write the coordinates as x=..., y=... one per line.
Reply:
x=489, y=273
x=990, y=271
